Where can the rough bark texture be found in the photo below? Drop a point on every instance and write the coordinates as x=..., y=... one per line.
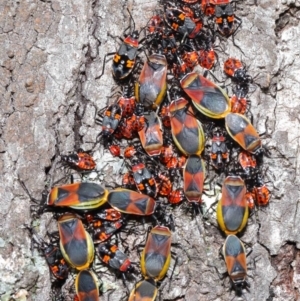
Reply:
x=51, y=53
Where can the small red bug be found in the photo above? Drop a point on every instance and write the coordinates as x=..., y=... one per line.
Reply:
x=128, y=181
x=248, y=164
x=250, y=200
x=235, y=69
x=115, y=150
x=208, y=7
x=260, y=192
x=238, y=104
x=207, y=58
x=167, y=152
x=80, y=160
x=155, y=24
x=137, y=120
x=130, y=151
x=165, y=116
x=176, y=196
x=105, y=214
x=165, y=185
x=125, y=129
x=127, y=101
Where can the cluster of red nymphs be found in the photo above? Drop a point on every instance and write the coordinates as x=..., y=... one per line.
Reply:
x=173, y=127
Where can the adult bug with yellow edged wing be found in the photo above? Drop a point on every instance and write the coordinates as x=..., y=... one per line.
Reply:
x=76, y=244
x=187, y=131
x=193, y=178
x=81, y=196
x=243, y=132
x=232, y=208
x=236, y=263
x=145, y=290
x=156, y=256
x=151, y=135
x=86, y=286
x=131, y=202
x=151, y=87
x=208, y=98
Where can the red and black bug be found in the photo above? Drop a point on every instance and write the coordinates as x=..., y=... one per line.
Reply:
x=111, y=255
x=55, y=260
x=187, y=131
x=260, y=191
x=232, y=208
x=227, y=22
x=248, y=164
x=131, y=202
x=176, y=196
x=127, y=101
x=80, y=160
x=145, y=290
x=156, y=256
x=86, y=286
x=81, y=196
x=102, y=230
x=219, y=153
x=124, y=59
x=235, y=69
x=180, y=22
x=111, y=119
x=243, y=132
x=151, y=87
x=144, y=179
x=76, y=245
x=235, y=258
x=239, y=102
x=208, y=98
x=193, y=179
x=151, y=135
